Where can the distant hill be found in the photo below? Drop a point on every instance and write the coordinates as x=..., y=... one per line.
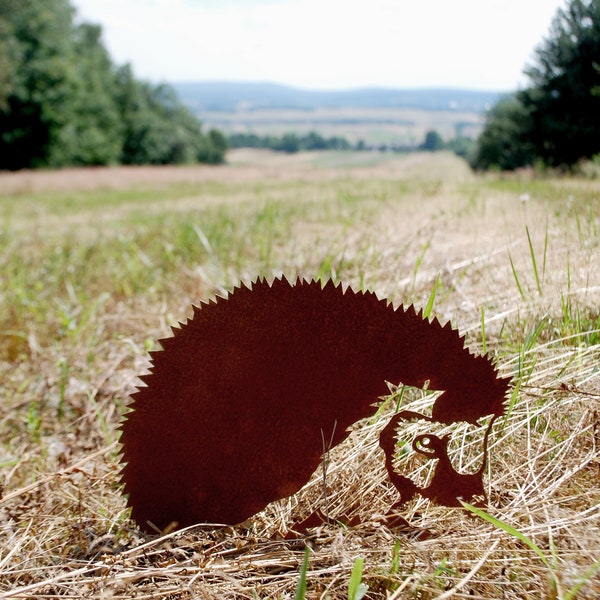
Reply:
x=220, y=96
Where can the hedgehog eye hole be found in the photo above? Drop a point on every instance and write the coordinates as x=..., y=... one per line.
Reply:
x=424, y=444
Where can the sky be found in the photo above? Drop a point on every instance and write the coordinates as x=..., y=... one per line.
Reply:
x=326, y=44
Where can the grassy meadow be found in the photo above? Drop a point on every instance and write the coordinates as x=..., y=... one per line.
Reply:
x=97, y=264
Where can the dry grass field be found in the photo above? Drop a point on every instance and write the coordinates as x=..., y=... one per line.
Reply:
x=96, y=265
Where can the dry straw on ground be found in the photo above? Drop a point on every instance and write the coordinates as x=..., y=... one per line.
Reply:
x=527, y=264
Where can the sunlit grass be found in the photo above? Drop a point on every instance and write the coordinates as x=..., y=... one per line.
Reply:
x=90, y=279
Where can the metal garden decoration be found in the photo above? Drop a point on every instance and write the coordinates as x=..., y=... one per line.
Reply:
x=238, y=402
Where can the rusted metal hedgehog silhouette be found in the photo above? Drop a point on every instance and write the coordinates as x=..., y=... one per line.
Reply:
x=238, y=402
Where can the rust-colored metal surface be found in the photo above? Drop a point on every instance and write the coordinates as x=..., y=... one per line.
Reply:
x=238, y=402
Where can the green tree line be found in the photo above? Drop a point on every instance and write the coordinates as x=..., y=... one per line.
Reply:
x=555, y=121
x=63, y=102
x=292, y=142
x=288, y=142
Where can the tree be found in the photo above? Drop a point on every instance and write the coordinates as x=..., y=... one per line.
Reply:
x=158, y=129
x=7, y=63
x=63, y=102
x=462, y=146
x=563, y=101
x=289, y=142
x=217, y=147
x=505, y=141
x=433, y=142
x=91, y=133
x=556, y=120
x=37, y=103
x=313, y=141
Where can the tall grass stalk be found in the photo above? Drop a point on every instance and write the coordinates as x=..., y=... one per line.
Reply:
x=429, y=306
x=516, y=277
x=418, y=264
x=302, y=580
x=534, y=260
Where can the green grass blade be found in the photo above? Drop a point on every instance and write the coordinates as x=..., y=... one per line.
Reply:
x=431, y=300
x=395, y=566
x=511, y=531
x=418, y=265
x=534, y=262
x=357, y=589
x=545, y=254
x=483, y=338
x=302, y=584
x=400, y=398
x=532, y=336
x=514, y=272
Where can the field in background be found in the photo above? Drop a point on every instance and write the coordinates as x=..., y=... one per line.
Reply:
x=96, y=264
x=374, y=126
x=394, y=117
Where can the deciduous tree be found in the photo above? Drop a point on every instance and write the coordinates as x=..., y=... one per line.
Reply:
x=433, y=141
x=63, y=102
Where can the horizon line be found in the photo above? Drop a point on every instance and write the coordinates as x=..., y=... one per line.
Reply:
x=353, y=88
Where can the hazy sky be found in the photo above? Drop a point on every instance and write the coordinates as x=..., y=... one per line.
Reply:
x=482, y=44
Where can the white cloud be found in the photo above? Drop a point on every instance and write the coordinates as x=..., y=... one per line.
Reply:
x=326, y=43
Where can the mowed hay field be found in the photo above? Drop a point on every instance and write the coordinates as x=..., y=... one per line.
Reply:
x=96, y=265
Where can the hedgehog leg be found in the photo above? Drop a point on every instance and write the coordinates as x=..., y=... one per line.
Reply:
x=387, y=442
